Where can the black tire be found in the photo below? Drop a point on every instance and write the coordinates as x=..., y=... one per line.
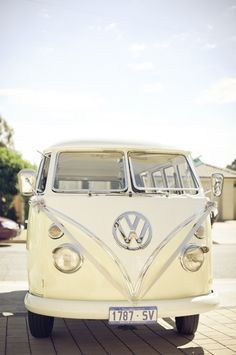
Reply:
x=40, y=326
x=187, y=325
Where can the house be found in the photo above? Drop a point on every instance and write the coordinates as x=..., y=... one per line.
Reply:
x=227, y=201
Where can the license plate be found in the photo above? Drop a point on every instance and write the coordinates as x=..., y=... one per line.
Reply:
x=132, y=315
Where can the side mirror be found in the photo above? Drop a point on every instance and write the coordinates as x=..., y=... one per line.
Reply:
x=27, y=180
x=217, y=182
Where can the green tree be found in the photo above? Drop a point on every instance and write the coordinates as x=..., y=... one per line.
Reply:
x=11, y=163
x=232, y=166
x=6, y=134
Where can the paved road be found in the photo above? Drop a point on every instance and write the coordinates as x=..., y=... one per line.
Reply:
x=12, y=262
x=224, y=261
x=225, y=232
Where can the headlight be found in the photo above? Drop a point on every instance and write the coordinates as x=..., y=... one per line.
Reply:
x=200, y=232
x=193, y=257
x=67, y=258
x=55, y=232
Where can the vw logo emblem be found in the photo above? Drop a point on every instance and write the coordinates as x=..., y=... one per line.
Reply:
x=132, y=231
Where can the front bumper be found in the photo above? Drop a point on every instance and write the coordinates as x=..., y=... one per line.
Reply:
x=100, y=309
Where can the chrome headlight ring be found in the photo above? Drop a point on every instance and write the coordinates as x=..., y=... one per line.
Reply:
x=192, y=257
x=67, y=258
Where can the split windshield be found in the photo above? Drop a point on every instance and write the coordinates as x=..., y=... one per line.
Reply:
x=102, y=172
x=90, y=172
x=168, y=173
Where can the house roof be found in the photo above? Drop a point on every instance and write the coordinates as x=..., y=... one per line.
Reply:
x=206, y=170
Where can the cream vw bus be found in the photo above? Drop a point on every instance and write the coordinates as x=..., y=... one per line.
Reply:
x=118, y=232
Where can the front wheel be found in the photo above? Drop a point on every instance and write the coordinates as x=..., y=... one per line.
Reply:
x=40, y=326
x=187, y=324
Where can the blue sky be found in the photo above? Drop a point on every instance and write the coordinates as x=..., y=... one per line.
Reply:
x=148, y=71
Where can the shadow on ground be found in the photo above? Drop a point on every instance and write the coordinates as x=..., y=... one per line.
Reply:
x=73, y=336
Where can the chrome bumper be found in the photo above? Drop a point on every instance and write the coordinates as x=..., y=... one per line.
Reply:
x=100, y=309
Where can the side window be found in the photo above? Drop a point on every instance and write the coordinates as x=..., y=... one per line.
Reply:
x=171, y=177
x=43, y=174
x=167, y=172
x=145, y=179
x=186, y=176
x=158, y=179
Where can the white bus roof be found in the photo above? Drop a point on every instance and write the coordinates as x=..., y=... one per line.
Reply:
x=112, y=145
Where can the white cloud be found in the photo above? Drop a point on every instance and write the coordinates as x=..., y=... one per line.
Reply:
x=222, y=92
x=210, y=27
x=95, y=28
x=145, y=66
x=44, y=50
x=153, y=88
x=162, y=44
x=45, y=13
x=137, y=47
x=51, y=100
x=182, y=37
x=111, y=27
x=188, y=40
x=204, y=44
x=210, y=46
x=114, y=28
